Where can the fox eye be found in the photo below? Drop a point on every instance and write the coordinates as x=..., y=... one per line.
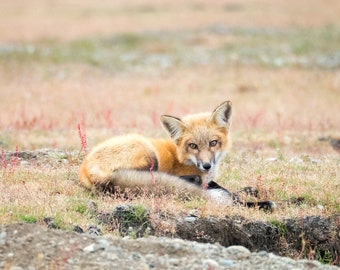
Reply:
x=193, y=146
x=213, y=143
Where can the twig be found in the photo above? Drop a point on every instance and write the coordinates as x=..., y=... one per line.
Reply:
x=151, y=171
x=83, y=141
x=14, y=160
x=3, y=162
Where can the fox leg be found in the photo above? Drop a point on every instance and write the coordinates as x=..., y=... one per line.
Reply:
x=215, y=189
x=249, y=191
x=193, y=178
x=264, y=205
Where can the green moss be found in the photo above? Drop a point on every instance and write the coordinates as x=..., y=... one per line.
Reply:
x=325, y=257
x=282, y=228
x=81, y=208
x=136, y=214
x=27, y=218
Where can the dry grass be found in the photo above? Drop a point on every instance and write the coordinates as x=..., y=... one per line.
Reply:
x=56, y=78
x=277, y=102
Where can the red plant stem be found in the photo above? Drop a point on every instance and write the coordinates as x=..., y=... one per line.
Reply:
x=151, y=171
x=3, y=161
x=83, y=141
x=14, y=160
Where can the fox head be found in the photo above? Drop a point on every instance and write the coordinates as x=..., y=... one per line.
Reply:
x=201, y=139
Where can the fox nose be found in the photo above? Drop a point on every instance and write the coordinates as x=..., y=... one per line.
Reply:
x=206, y=166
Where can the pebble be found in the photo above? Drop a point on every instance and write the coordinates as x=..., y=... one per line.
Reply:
x=10, y=255
x=296, y=160
x=90, y=248
x=190, y=219
x=225, y=262
x=104, y=243
x=209, y=264
x=3, y=235
x=238, y=252
x=78, y=229
x=174, y=261
x=262, y=254
x=94, y=230
x=24, y=163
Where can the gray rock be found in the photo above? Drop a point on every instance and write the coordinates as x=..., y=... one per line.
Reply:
x=83, y=251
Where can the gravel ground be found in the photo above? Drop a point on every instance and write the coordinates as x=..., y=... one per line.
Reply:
x=28, y=246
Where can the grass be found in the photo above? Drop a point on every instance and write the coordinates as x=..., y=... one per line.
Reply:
x=287, y=178
x=118, y=67
x=33, y=194
x=306, y=47
x=27, y=218
x=51, y=189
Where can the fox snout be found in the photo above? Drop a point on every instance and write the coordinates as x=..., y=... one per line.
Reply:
x=205, y=166
x=205, y=162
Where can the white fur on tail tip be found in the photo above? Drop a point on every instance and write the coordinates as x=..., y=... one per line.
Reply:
x=272, y=205
x=220, y=196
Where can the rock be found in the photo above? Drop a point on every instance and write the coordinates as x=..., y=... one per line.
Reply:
x=190, y=219
x=94, y=230
x=78, y=229
x=238, y=252
x=227, y=263
x=209, y=264
x=71, y=250
x=130, y=220
x=90, y=248
x=3, y=236
x=50, y=223
x=296, y=160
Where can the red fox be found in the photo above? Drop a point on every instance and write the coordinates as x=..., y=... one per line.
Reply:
x=186, y=163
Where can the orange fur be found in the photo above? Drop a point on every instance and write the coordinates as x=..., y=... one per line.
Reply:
x=196, y=145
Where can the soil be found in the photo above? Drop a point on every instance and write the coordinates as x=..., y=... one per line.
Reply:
x=310, y=237
x=29, y=246
x=227, y=243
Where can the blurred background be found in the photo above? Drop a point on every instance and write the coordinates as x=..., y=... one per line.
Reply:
x=112, y=67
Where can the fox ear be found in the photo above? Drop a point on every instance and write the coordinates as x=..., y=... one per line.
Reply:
x=173, y=125
x=222, y=115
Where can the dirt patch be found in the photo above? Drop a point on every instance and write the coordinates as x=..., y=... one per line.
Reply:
x=310, y=237
x=27, y=246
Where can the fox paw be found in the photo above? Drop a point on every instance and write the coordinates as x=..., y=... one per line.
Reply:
x=193, y=178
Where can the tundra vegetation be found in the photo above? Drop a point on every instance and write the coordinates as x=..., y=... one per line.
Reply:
x=73, y=73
